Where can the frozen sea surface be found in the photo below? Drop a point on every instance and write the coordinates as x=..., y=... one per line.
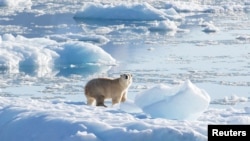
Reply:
x=49, y=50
x=158, y=42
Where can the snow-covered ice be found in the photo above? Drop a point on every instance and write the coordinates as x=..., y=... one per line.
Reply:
x=15, y=3
x=209, y=27
x=185, y=103
x=29, y=119
x=14, y=6
x=123, y=11
x=95, y=39
x=164, y=26
x=42, y=56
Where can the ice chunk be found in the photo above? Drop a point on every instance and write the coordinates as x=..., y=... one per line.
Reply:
x=96, y=39
x=14, y=3
x=133, y=12
x=166, y=25
x=187, y=103
x=42, y=56
x=80, y=53
x=153, y=95
x=209, y=27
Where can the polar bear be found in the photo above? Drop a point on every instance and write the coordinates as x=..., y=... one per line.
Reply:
x=99, y=89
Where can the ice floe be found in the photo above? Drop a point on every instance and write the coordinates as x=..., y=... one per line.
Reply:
x=15, y=3
x=130, y=12
x=42, y=56
x=186, y=102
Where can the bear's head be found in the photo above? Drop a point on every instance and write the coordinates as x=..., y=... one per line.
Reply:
x=126, y=79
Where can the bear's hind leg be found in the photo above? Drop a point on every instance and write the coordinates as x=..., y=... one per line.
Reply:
x=100, y=100
x=90, y=100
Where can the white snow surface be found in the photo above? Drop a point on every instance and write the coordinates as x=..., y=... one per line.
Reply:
x=28, y=119
x=23, y=118
x=39, y=120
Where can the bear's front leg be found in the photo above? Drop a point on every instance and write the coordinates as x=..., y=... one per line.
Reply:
x=124, y=97
x=116, y=100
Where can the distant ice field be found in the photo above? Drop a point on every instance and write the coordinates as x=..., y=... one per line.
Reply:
x=158, y=42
